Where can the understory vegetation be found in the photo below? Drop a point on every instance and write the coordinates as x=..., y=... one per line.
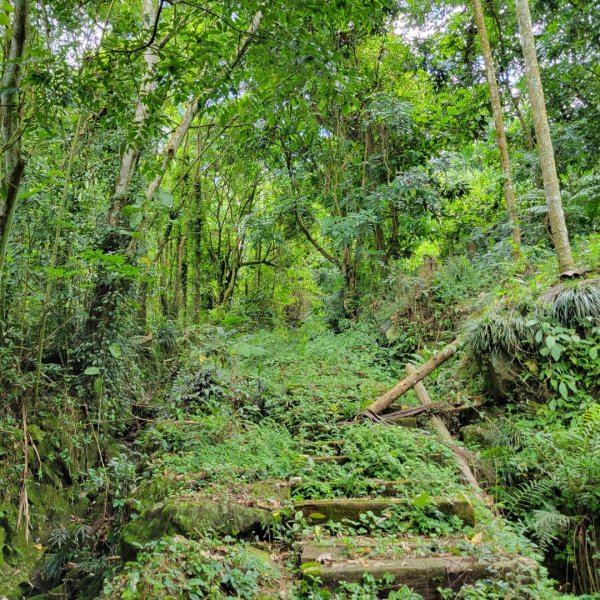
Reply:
x=229, y=229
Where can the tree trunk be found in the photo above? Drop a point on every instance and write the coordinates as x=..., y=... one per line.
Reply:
x=131, y=155
x=560, y=234
x=511, y=203
x=411, y=380
x=10, y=122
x=105, y=299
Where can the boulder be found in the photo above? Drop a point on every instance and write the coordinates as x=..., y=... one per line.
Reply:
x=502, y=375
x=480, y=435
x=239, y=511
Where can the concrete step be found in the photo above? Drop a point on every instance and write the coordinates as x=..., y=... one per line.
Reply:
x=339, y=509
x=335, y=459
x=423, y=575
x=335, y=549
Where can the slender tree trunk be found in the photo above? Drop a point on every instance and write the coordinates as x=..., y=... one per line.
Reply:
x=10, y=122
x=178, y=292
x=104, y=300
x=560, y=234
x=177, y=137
x=131, y=155
x=511, y=203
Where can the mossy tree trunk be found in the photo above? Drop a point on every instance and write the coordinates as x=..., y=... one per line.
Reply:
x=10, y=123
x=560, y=234
x=511, y=203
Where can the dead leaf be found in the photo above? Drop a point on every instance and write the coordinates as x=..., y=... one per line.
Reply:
x=324, y=559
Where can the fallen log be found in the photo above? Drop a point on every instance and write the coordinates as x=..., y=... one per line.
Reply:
x=436, y=409
x=444, y=435
x=413, y=378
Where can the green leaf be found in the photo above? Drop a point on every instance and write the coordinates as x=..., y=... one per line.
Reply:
x=562, y=388
x=248, y=350
x=593, y=353
x=556, y=351
x=115, y=350
x=92, y=371
x=98, y=385
x=164, y=197
x=316, y=516
x=4, y=20
x=422, y=500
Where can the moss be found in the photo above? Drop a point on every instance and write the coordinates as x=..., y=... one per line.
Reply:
x=340, y=509
x=190, y=517
x=19, y=558
x=154, y=490
x=478, y=435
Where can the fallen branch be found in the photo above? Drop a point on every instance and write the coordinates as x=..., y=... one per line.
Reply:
x=414, y=377
x=445, y=436
x=436, y=409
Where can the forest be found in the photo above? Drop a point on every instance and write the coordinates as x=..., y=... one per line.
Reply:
x=299, y=299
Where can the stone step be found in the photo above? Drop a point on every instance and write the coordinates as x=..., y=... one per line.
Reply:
x=379, y=487
x=335, y=459
x=339, y=509
x=423, y=575
x=335, y=445
x=328, y=550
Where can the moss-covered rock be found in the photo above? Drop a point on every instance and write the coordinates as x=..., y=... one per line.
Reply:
x=191, y=516
x=478, y=435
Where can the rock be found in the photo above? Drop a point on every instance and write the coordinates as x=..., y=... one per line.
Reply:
x=479, y=435
x=245, y=509
x=190, y=518
x=502, y=375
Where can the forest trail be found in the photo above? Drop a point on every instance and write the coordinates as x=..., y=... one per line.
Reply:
x=333, y=505
x=423, y=563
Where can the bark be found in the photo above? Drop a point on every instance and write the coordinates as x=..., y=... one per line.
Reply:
x=172, y=146
x=560, y=234
x=434, y=409
x=511, y=203
x=131, y=155
x=411, y=380
x=10, y=123
x=444, y=435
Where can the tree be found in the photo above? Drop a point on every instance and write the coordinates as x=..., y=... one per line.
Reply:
x=10, y=124
x=560, y=234
x=511, y=203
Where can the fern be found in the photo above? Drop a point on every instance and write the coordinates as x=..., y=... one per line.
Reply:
x=527, y=495
x=547, y=525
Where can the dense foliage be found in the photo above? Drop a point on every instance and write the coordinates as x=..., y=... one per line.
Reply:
x=225, y=228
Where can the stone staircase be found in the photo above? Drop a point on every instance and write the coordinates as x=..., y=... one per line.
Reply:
x=425, y=564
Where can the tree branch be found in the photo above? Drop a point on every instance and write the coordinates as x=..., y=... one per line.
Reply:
x=316, y=244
